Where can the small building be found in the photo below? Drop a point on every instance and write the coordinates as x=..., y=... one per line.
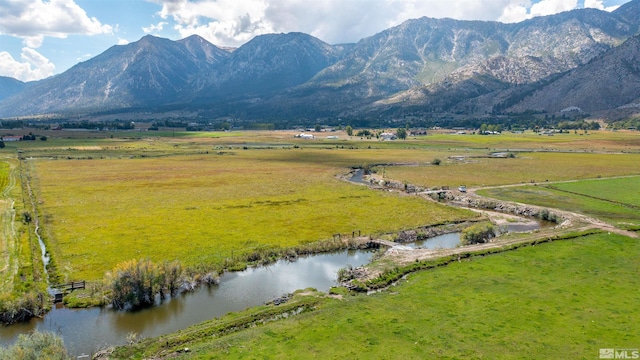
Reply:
x=11, y=138
x=571, y=109
x=305, y=136
x=388, y=136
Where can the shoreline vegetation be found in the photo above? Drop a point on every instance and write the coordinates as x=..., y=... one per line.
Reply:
x=240, y=334
x=386, y=270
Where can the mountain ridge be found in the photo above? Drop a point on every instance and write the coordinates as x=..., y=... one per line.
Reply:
x=426, y=65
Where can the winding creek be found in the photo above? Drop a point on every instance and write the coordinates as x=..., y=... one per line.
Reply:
x=86, y=331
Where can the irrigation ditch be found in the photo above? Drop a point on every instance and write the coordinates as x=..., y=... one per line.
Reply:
x=400, y=261
x=363, y=275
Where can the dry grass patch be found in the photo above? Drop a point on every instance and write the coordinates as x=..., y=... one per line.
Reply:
x=523, y=168
x=205, y=208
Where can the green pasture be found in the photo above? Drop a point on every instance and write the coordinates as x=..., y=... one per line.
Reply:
x=203, y=209
x=593, y=141
x=206, y=197
x=564, y=299
x=622, y=190
x=21, y=267
x=464, y=167
x=611, y=200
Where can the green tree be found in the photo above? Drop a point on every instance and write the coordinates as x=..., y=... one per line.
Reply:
x=401, y=133
x=349, y=130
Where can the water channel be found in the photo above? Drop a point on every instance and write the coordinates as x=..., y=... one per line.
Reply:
x=85, y=331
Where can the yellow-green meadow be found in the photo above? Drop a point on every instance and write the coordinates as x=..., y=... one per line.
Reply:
x=202, y=209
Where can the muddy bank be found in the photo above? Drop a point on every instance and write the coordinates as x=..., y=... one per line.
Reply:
x=427, y=232
x=523, y=210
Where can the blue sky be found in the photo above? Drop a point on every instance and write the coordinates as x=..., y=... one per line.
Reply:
x=40, y=38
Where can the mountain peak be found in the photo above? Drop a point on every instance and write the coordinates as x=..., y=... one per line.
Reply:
x=466, y=67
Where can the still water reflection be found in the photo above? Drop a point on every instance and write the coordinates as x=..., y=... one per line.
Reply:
x=87, y=330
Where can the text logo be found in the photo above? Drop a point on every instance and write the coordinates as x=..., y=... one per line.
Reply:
x=619, y=354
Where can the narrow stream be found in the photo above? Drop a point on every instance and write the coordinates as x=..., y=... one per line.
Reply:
x=87, y=330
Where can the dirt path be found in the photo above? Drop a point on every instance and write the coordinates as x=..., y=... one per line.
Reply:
x=589, y=222
x=571, y=222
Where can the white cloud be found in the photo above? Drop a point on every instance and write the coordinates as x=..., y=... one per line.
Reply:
x=154, y=28
x=122, y=41
x=521, y=10
x=234, y=22
x=33, y=66
x=32, y=20
x=599, y=4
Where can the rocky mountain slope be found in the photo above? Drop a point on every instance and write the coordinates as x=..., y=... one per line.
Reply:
x=150, y=71
x=609, y=81
x=424, y=65
x=443, y=65
x=10, y=86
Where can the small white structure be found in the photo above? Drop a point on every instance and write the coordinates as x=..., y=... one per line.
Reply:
x=305, y=136
x=571, y=109
x=388, y=136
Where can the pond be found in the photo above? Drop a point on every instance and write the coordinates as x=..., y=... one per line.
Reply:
x=87, y=330
x=445, y=241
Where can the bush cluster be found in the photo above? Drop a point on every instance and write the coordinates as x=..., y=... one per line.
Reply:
x=478, y=233
x=135, y=283
x=36, y=345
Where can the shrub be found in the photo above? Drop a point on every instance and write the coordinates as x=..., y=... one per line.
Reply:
x=136, y=282
x=549, y=216
x=345, y=273
x=37, y=345
x=478, y=234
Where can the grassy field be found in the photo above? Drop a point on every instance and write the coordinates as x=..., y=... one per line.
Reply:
x=613, y=200
x=565, y=299
x=22, y=277
x=525, y=167
x=202, y=209
x=623, y=190
x=205, y=197
x=595, y=141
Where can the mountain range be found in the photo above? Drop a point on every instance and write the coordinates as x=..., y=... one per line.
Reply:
x=586, y=59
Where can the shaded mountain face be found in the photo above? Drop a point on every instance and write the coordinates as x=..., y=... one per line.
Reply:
x=145, y=73
x=433, y=65
x=441, y=63
x=609, y=81
x=10, y=86
x=266, y=64
x=630, y=12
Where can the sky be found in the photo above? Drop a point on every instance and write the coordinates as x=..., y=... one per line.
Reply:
x=41, y=38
